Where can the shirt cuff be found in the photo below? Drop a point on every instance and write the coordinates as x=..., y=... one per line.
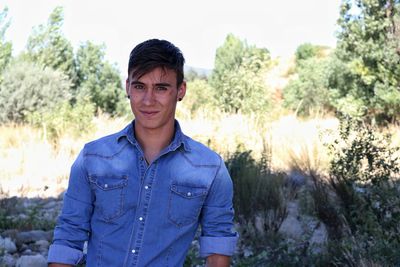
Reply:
x=223, y=245
x=64, y=254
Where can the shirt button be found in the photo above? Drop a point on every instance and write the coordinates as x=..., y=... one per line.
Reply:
x=189, y=194
x=141, y=158
x=106, y=185
x=146, y=187
x=133, y=251
x=140, y=218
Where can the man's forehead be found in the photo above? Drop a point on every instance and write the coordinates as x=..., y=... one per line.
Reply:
x=158, y=73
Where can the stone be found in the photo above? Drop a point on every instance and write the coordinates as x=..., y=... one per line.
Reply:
x=292, y=227
x=33, y=236
x=8, y=245
x=318, y=239
x=41, y=246
x=32, y=261
x=50, y=205
x=7, y=260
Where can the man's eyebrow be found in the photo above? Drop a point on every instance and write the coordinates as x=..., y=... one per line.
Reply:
x=163, y=84
x=137, y=82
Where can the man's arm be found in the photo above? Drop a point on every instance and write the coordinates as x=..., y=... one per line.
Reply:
x=215, y=260
x=73, y=224
x=218, y=238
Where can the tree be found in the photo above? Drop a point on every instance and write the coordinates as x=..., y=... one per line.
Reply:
x=5, y=47
x=28, y=87
x=48, y=46
x=307, y=50
x=99, y=80
x=238, y=76
x=309, y=92
x=368, y=45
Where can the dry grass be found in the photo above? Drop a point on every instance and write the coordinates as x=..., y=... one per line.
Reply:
x=31, y=166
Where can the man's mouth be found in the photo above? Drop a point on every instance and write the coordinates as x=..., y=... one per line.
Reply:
x=148, y=113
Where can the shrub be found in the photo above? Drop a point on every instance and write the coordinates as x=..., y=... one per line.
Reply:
x=65, y=119
x=259, y=201
x=363, y=175
x=27, y=88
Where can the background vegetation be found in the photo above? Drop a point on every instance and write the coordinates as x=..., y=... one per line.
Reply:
x=326, y=142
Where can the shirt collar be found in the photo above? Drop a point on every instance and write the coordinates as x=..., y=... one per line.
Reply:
x=180, y=139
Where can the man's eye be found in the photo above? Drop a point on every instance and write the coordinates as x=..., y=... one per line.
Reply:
x=161, y=88
x=138, y=87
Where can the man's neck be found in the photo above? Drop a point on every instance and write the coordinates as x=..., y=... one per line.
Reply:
x=154, y=141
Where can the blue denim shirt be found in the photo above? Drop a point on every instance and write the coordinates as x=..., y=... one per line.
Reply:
x=135, y=214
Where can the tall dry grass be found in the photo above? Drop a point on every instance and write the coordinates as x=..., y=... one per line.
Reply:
x=32, y=166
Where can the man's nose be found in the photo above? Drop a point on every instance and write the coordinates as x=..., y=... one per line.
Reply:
x=149, y=96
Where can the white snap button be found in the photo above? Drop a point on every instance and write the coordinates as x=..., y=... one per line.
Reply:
x=141, y=219
x=133, y=251
x=146, y=187
x=106, y=185
x=189, y=194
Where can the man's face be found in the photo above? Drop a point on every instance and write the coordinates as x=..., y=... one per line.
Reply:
x=153, y=98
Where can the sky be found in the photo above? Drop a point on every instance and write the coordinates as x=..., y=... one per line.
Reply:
x=198, y=28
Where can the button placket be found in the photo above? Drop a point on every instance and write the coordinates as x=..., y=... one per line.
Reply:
x=146, y=178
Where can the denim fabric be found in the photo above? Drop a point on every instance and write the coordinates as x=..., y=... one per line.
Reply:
x=135, y=214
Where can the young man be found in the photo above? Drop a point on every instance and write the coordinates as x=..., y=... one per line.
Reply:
x=138, y=196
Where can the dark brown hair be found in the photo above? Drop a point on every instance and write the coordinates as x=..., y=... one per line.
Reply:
x=156, y=53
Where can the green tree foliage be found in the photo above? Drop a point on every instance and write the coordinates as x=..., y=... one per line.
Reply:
x=98, y=80
x=65, y=119
x=364, y=174
x=305, y=51
x=192, y=74
x=29, y=87
x=199, y=95
x=368, y=45
x=309, y=92
x=48, y=46
x=238, y=76
x=5, y=47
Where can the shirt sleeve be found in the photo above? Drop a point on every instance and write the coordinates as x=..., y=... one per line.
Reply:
x=73, y=225
x=218, y=234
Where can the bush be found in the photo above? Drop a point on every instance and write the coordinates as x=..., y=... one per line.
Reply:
x=199, y=95
x=65, y=119
x=363, y=175
x=309, y=92
x=259, y=201
x=27, y=88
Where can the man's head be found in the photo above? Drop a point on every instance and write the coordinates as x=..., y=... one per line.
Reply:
x=155, y=84
x=155, y=53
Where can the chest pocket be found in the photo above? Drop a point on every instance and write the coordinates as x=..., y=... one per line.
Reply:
x=185, y=203
x=110, y=192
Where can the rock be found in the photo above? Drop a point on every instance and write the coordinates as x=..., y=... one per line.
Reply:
x=41, y=246
x=318, y=239
x=27, y=252
x=7, y=245
x=50, y=205
x=33, y=236
x=32, y=261
x=7, y=261
x=297, y=178
x=291, y=227
x=11, y=233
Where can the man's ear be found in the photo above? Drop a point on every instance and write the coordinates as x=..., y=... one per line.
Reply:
x=127, y=87
x=181, y=90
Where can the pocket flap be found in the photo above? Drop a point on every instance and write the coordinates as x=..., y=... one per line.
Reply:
x=188, y=191
x=109, y=182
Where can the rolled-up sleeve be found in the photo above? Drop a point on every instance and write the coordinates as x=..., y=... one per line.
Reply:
x=73, y=225
x=218, y=234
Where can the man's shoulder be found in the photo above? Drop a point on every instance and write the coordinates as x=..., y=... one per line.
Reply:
x=200, y=154
x=106, y=146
